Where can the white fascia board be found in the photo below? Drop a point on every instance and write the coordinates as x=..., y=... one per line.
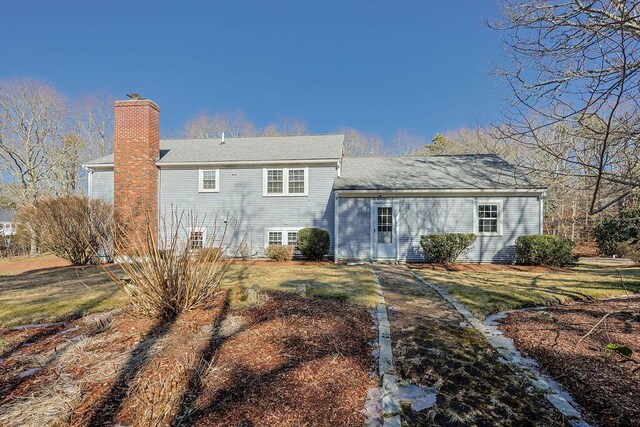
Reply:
x=331, y=162
x=443, y=192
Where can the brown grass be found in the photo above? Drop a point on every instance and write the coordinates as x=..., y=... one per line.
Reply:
x=46, y=289
x=486, y=289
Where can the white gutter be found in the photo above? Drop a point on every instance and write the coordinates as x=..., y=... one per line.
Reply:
x=238, y=162
x=254, y=162
x=453, y=191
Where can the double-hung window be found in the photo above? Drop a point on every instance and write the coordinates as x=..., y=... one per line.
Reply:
x=197, y=238
x=286, y=182
x=275, y=238
x=209, y=181
x=489, y=217
x=275, y=181
x=282, y=237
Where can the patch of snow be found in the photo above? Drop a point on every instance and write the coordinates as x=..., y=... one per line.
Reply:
x=29, y=372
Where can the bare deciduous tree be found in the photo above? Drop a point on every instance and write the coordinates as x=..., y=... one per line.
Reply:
x=286, y=126
x=93, y=122
x=234, y=124
x=574, y=72
x=32, y=121
x=360, y=144
x=407, y=143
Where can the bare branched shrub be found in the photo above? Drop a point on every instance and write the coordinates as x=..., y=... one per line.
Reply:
x=280, y=253
x=71, y=227
x=176, y=269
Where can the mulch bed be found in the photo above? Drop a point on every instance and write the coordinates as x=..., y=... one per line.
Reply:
x=289, y=361
x=606, y=386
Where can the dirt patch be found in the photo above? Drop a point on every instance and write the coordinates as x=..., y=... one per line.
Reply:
x=486, y=268
x=434, y=347
x=22, y=264
x=605, y=385
x=290, y=361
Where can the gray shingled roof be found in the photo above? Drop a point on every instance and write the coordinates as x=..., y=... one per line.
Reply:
x=315, y=147
x=6, y=215
x=483, y=171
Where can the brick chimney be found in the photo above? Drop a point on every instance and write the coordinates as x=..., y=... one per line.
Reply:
x=136, y=149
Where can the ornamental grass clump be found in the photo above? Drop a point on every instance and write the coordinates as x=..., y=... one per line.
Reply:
x=446, y=248
x=178, y=268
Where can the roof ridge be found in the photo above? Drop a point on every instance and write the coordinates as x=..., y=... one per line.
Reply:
x=226, y=138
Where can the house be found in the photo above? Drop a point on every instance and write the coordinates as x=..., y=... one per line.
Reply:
x=7, y=226
x=374, y=208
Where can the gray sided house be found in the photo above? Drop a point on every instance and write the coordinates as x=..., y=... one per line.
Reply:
x=374, y=208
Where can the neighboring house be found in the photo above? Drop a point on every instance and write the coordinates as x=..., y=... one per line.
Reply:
x=374, y=208
x=7, y=227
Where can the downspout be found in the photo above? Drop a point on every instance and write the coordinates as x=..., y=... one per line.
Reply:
x=336, y=217
x=89, y=181
x=541, y=199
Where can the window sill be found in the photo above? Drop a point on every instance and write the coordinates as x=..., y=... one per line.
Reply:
x=489, y=234
x=208, y=191
x=284, y=195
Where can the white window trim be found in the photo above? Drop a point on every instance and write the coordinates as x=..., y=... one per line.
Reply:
x=476, y=218
x=201, y=188
x=283, y=230
x=203, y=230
x=285, y=183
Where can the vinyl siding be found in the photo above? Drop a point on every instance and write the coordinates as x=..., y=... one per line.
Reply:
x=434, y=215
x=241, y=197
x=102, y=185
x=354, y=228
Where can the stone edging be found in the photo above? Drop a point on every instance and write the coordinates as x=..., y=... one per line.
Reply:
x=553, y=392
x=392, y=393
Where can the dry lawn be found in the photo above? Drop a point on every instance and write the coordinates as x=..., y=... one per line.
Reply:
x=489, y=289
x=46, y=289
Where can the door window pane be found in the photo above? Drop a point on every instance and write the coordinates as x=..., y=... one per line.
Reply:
x=385, y=224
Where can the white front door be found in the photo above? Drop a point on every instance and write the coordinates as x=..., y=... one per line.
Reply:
x=383, y=237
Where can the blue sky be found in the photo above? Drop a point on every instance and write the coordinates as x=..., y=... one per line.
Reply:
x=376, y=66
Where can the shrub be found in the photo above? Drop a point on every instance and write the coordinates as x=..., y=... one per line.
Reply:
x=280, y=253
x=71, y=227
x=162, y=275
x=209, y=254
x=313, y=243
x=446, y=248
x=610, y=232
x=539, y=249
x=630, y=250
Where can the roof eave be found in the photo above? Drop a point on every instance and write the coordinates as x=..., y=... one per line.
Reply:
x=449, y=191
